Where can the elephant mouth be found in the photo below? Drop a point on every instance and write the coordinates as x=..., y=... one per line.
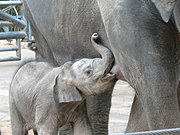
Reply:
x=108, y=73
x=113, y=71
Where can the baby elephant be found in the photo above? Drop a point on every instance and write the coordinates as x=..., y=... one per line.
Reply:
x=44, y=97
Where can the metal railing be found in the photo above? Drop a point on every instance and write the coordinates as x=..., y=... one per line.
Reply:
x=172, y=131
x=10, y=3
x=7, y=20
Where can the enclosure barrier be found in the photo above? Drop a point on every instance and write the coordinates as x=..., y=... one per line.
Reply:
x=5, y=16
x=7, y=20
x=5, y=23
x=9, y=3
x=12, y=35
x=154, y=132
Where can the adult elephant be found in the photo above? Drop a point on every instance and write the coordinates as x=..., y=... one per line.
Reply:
x=143, y=36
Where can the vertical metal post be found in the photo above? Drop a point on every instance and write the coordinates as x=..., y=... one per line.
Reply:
x=18, y=44
x=29, y=31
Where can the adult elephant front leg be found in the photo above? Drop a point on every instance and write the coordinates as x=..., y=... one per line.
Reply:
x=137, y=119
x=145, y=47
x=98, y=112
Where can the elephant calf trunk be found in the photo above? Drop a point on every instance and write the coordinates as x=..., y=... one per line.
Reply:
x=107, y=56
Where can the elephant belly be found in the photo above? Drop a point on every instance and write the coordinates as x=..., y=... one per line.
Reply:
x=63, y=32
x=23, y=93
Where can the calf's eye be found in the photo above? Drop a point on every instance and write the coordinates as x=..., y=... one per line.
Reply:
x=88, y=71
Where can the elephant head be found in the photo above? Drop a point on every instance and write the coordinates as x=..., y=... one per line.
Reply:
x=85, y=77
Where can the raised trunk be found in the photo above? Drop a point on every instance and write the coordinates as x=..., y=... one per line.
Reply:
x=107, y=56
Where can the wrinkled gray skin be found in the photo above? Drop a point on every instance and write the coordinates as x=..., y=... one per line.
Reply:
x=44, y=97
x=142, y=35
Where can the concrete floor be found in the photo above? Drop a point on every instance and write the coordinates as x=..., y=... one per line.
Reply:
x=7, y=70
x=121, y=101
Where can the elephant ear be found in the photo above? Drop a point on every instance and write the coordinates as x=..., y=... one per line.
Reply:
x=64, y=93
x=165, y=8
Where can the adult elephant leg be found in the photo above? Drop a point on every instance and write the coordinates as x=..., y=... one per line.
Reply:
x=98, y=112
x=145, y=48
x=137, y=119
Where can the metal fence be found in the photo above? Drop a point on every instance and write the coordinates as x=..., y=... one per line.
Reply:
x=173, y=131
x=7, y=20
